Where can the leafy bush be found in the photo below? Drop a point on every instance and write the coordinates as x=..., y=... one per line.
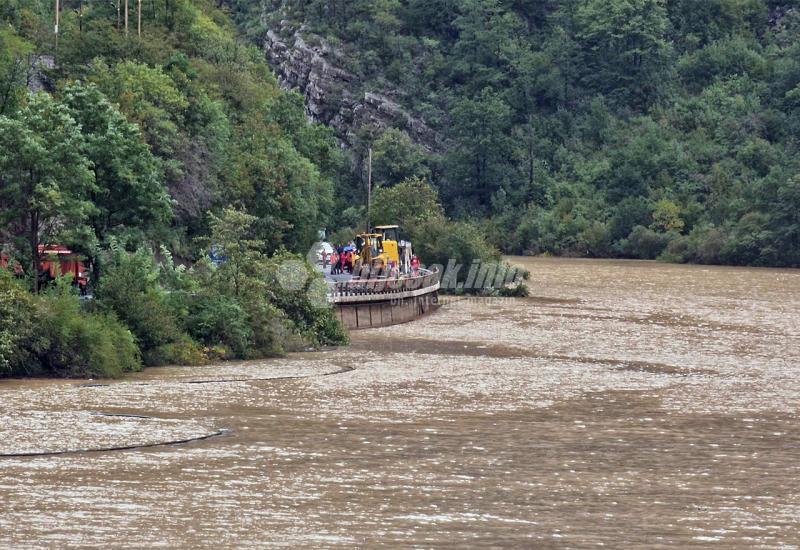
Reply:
x=184, y=351
x=515, y=291
x=71, y=342
x=305, y=307
x=66, y=340
x=328, y=330
x=750, y=241
x=129, y=288
x=16, y=323
x=271, y=334
x=702, y=245
x=644, y=243
x=220, y=320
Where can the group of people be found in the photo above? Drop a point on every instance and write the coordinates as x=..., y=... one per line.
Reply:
x=341, y=259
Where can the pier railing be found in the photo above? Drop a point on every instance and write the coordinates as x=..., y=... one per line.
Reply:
x=383, y=288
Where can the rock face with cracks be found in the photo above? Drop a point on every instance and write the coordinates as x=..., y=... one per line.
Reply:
x=309, y=64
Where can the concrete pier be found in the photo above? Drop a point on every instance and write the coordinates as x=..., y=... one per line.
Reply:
x=372, y=303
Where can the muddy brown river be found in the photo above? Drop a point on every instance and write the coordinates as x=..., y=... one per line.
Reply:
x=624, y=404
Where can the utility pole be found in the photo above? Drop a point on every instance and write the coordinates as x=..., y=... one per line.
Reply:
x=58, y=10
x=126, y=18
x=139, y=22
x=369, y=186
x=118, y=15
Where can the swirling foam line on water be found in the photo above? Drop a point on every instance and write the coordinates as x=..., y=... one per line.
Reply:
x=343, y=370
x=216, y=433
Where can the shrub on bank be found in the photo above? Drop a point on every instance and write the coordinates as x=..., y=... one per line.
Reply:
x=129, y=288
x=71, y=342
x=219, y=321
x=645, y=243
x=52, y=335
x=183, y=351
x=154, y=311
x=16, y=323
x=304, y=305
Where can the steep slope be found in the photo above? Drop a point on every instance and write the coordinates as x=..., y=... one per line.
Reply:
x=332, y=94
x=621, y=128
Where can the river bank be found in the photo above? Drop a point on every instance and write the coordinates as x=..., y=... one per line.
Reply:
x=623, y=403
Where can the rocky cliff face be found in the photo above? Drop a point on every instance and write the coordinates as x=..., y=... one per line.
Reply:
x=334, y=96
x=38, y=77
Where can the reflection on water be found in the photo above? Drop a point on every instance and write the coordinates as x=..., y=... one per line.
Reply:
x=624, y=403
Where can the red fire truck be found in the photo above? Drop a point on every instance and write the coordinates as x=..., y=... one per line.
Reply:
x=55, y=261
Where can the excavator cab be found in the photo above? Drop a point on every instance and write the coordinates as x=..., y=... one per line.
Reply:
x=389, y=237
x=395, y=249
x=370, y=251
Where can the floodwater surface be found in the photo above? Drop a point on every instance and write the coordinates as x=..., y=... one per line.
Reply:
x=623, y=404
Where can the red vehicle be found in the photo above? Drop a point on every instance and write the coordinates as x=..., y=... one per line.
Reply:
x=60, y=260
x=55, y=262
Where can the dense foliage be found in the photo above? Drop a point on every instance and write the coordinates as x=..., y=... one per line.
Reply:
x=49, y=334
x=633, y=128
x=116, y=145
x=231, y=310
x=613, y=128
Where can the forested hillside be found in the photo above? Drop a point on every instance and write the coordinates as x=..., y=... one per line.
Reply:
x=173, y=123
x=160, y=147
x=611, y=128
x=147, y=152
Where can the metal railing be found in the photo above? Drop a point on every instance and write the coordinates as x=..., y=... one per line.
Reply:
x=384, y=287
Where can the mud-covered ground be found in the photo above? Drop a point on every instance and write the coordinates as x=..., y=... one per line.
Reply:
x=623, y=404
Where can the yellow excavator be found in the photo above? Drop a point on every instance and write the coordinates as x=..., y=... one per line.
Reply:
x=383, y=248
x=369, y=251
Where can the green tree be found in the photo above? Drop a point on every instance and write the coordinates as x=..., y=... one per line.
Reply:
x=14, y=59
x=285, y=192
x=667, y=216
x=16, y=322
x=46, y=179
x=129, y=288
x=787, y=220
x=725, y=58
x=477, y=162
x=434, y=17
x=397, y=158
x=129, y=191
x=407, y=204
x=486, y=33
x=149, y=98
x=697, y=24
x=623, y=47
x=233, y=238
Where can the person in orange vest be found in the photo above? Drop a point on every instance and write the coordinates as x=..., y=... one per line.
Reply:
x=348, y=261
x=334, y=263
